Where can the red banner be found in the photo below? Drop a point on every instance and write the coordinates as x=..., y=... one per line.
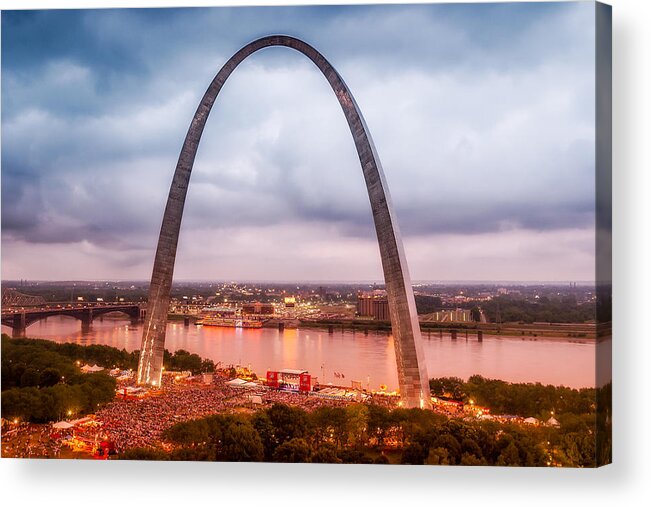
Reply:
x=272, y=379
x=305, y=383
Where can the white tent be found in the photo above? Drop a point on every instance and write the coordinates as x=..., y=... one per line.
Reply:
x=238, y=382
x=63, y=425
x=531, y=420
x=553, y=422
x=85, y=420
x=91, y=369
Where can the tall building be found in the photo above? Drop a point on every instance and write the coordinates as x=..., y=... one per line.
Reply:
x=373, y=304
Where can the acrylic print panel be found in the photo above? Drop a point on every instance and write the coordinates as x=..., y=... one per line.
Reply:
x=394, y=248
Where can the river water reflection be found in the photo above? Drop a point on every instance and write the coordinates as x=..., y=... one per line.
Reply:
x=368, y=358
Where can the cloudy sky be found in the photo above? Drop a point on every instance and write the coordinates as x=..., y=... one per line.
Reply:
x=483, y=117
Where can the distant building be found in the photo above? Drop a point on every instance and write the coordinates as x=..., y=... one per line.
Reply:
x=373, y=304
x=257, y=308
x=218, y=311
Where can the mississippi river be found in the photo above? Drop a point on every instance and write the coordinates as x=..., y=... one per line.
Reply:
x=369, y=358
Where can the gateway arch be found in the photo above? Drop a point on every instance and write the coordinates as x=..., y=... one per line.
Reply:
x=412, y=372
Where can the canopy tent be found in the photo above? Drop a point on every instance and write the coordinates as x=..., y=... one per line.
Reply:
x=86, y=421
x=256, y=400
x=238, y=382
x=63, y=425
x=553, y=422
x=91, y=369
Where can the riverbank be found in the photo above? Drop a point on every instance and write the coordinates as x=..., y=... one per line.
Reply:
x=573, y=332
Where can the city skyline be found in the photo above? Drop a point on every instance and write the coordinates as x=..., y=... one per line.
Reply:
x=86, y=119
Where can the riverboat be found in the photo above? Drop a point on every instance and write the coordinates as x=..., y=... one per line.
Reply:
x=222, y=322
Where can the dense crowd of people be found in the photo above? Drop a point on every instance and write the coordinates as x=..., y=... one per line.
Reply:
x=140, y=422
x=27, y=440
x=131, y=422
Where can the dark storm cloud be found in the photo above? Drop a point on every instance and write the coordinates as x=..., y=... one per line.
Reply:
x=482, y=115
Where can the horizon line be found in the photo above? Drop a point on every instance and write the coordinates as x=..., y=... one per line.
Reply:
x=309, y=282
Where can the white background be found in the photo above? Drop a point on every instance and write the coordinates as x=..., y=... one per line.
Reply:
x=626, y=482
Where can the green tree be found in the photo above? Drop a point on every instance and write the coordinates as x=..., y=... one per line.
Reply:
x=207, y=366
x=49, y=377
x=265, y=428
x=356, y=422
x=471, y=447
x=241, y=443
x=451, y=444
x=295, y=450
x=325, y=453
x=414, y=454
x=189, y=433
x=354, y=456
x=381, y=460
x=509, y=457
x=288, y=422
x=379, y=423
x=328, y=424
x=29, y=378
x=468, y=459
x=438, y=456
x=451, y=387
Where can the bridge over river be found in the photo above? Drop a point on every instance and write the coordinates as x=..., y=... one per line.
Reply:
x=19, y=318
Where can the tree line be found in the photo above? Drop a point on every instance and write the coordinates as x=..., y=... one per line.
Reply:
x=366, y=434
x=523, y=399
x=545, y=309
x=42, y=381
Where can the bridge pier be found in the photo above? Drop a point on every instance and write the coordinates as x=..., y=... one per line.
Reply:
x=480, y=336
x=20, y=326
x=86, y=321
